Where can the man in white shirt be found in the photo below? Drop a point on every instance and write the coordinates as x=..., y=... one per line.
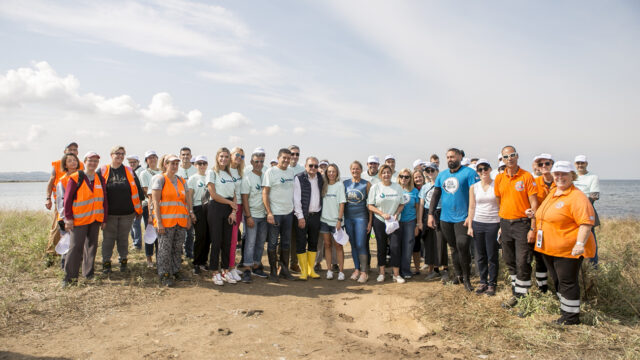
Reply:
x=307, y=206
x=297, y=169
x=371, y=175
x=391, y=161
x=589, y=184
x=186, y=170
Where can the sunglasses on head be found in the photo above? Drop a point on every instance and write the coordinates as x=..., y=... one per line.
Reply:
x=313, y=166
x=482, y=168
x=546, y=163
x=510, y=156
x=404, y=176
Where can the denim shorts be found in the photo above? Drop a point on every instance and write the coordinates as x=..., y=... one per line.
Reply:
x=326, y=228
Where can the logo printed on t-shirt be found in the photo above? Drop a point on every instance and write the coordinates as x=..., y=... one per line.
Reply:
x=406, y=198
x=200, y=184
x=520, y=185
x=283, y=180
x=559, y=205
x=355, y=196
x=258, y=186
x=451, y=185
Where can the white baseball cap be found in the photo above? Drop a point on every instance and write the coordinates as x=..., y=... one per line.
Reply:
x=483, y=161
x=91, y=154
x=562, y=166
x=273, y=161
x=501, y=164
x=149, y=153
x=500, y=156
x=543, y=156
x=373, y=159
x=202, y=158
x=389, y=157
x=580, y=158
x=133, y=157
x=465, y=162
x=431, y=165
x=323, y=163
x=171, y=158
x=418, y=162
x=258, y=150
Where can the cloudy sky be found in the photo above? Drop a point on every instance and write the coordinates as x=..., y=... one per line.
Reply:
x=342, y=79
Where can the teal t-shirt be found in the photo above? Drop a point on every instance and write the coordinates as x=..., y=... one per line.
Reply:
x=198, y=183
x=252, y=185
x=385, y=198
x=426, y=192
x=410, y=200
x=331, y=203
x=280, y=183
x=223, y=181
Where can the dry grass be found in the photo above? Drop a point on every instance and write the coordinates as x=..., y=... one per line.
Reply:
x=31, y=299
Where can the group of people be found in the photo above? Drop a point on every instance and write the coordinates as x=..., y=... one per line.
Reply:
x=306, y=212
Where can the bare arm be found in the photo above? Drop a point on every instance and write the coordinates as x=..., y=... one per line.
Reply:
x=265, y=200
x=583, y=235
x=52, y=180
x=156, y=195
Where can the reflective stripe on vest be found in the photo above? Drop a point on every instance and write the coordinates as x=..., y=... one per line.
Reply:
x=88, y=205
x=135, y=198
x=173, y=204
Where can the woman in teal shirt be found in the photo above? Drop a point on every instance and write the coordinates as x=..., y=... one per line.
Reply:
x=333, y=200
x=408, y=221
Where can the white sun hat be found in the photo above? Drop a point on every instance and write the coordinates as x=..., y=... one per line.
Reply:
x=562, y=166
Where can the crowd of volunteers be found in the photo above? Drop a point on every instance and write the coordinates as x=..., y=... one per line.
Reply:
x=306, y=212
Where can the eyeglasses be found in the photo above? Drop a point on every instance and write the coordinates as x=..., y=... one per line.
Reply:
x=119, y=153
x=240, y=156
x=295, y=154
x=580, y=162
x=201, y=163
x=482, y=168
x=312, y=166
x=546, y=163
x=510, y=156
x=404, y=176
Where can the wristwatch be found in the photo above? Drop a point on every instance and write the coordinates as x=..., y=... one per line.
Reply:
x=340, y=219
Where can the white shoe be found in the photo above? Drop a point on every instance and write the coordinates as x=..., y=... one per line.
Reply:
x=363, y=278
x=340, y=276
x=399, y=279
x=229, y=278
x=234, y=275
x=217, y=279
x=380, y=278
x=329, y=275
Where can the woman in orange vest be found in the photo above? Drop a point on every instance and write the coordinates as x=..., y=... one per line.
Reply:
x=69, y=165
x=171, y=218
x=125, y=197
x=563, y=222
x=85, y=209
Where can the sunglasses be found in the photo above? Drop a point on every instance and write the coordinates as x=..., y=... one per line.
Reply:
x=258, y=161
x=201, y=163
x=430, y=170
x=118, y=153
x=482, y=168
x=510, y=156
x=546, y=163
x=240, y=156
x=295, y=154
x=404, y=176
x=313, y=166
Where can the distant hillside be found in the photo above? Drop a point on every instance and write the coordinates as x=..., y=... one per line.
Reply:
x=24, y=176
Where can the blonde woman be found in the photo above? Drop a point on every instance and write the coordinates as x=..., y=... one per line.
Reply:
x=408, y=221
x=418, y=182
x=333, y=200
x=237, y=172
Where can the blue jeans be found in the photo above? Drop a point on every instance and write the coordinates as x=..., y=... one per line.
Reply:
x=136, y=233
x=357, y=231
x=254, y=241
x=485, y=236
x=283, y=228
x=188, y=243
x=408, y=239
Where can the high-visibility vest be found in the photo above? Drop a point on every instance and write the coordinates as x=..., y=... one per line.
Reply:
x=88, y=205
x=57, y=167
x=173, y=204
x=64, y=180
x=135, y=198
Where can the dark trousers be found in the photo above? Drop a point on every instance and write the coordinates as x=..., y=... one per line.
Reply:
x=307, y=238
x=435, y=247
x=281, y=228
x=148, y=248
x=517, y=254
x=455, y=234
x=485, y=236
x=219, y=233
x=381, y=241
x=83, y=246
x=202, y=243
x=565, y=272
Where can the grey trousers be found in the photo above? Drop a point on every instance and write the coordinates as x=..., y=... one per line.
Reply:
x=116, y=232
x=83, y=246
x=170, y=250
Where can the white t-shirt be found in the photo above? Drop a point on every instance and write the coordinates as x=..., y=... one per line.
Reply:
x=187, y=173
x=297, y=169
x=280, y=183
x=486, y=206
x=372, y=179
x=238, y=182
x=223, y=182
x=145, y=182
x=252, y=185
x=331, y=201
x=386, y=198
x=198, y=183
x=588, y=183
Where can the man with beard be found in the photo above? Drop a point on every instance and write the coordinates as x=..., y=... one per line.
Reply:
x=452, y=185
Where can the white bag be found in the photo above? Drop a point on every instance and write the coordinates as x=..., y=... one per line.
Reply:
x=150, y=234
x=340, y=236
x=64, y=243
x=392, y=225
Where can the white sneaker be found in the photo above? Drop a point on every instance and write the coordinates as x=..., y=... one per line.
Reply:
x=234, y=275
x=380, y=278
x=340, y=276
x=229, y=278
x=399, y=279
x=217, y=279
x=329, y=275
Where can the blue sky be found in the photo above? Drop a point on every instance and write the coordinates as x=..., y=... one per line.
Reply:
x=342, y=79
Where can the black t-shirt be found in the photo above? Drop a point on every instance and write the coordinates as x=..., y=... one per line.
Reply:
x=119, y=192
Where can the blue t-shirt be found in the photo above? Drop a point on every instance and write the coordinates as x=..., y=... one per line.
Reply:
x=410, y=199
x=455, y=193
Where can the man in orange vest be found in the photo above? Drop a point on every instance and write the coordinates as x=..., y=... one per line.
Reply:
x=56, y=174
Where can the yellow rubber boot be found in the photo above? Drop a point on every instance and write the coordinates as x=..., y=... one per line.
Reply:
x=311, y=260
x=302, y=261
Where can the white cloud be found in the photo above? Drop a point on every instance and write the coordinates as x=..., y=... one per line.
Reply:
x=272, y=130
x=230, y=121
x=234, y=139
x=299, y=130
x=35, y=133
x=98, y=134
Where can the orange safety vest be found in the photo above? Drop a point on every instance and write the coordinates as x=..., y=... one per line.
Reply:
x=57, y=167
x=173, y=204
x=135, y=198
x=64, y=180
x=88, y=205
